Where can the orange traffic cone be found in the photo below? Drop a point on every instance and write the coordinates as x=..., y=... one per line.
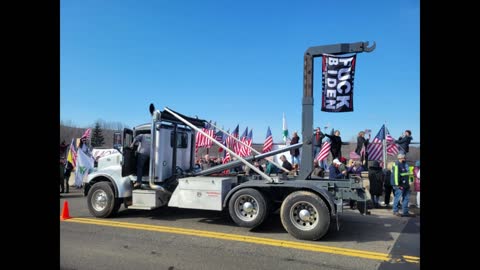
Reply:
x=65, y=214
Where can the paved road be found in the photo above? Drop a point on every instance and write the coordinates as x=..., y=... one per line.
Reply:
x=171, y=238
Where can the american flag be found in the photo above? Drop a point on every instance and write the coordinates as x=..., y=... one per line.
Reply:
x=242, y=149
x=268, y=144
x=392, y=148
x=223, y=141
x=248, y=142
x=324, y=152
x=202, y=140
x=375, y=148
x=230, y=142
x=226, y=159
x=87, y=134
x=219, y=136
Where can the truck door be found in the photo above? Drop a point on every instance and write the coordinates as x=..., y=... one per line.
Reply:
x=129, y=161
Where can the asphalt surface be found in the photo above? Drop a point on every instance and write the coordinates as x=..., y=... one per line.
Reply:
x=94, y=246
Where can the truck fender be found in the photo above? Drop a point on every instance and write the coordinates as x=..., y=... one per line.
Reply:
x=98, y=177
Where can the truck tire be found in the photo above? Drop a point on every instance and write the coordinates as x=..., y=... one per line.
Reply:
x=101, y=200
x=305, y=215
x=248, y=207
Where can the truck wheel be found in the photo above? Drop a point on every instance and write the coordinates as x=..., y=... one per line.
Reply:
x=101, y=200
x=248, y=208
x=305, y=215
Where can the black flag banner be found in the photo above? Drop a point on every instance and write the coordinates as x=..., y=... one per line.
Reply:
x=337, y=80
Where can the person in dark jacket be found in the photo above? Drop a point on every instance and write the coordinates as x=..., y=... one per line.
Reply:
x=285, y=164
x=404, y=141
x=387, y=185
x=68, y=172
x=377, y=178
x=361, y=142
x=336, y=144
x=334, y=171
x=295, y=153
x=401, y=187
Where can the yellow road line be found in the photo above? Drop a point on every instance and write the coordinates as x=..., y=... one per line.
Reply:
x=242, y=238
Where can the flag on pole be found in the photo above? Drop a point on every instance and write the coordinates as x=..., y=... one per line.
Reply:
x=226, y=159
x=392, y=148
x=85, y=164
x=219, y=136
x=87, y=134
x=224, y=140
x=242, y=150
x=268, y=144
x=249, y=143
x=324, y=152
x=285, y=129
x=72, y=154
x=231, y=143
x=375, y=148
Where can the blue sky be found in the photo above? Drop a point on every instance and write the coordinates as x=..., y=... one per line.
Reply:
x=236, y=62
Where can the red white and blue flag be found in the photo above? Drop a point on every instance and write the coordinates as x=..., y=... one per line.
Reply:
x=392, y=148
x=268, y=144
x=241, y=148
x=202, y=140
x=323, y=154
x=87, y=134
x=224, y=140
x=246, y=151
x=230, y=142
x=375, y=148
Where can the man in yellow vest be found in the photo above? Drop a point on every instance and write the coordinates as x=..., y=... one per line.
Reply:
x=400, y=180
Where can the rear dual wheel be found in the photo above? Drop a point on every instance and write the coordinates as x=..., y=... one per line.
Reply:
x=305, y=215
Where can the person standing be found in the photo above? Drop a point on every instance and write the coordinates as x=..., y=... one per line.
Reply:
x=401, y=186
x=404, y=142
x=62, y=173
x=66, y=177
x=336, y=144
x=295, y=152
x=387, y=185
x=361, y=142
x=376, y=178
x=143, y=155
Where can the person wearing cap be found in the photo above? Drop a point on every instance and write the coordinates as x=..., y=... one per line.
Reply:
x=334, y=171
x=376, y=178
x=401, y=186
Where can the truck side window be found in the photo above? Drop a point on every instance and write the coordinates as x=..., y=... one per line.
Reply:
x=181, y=139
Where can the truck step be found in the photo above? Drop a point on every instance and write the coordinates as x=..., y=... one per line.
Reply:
x=141, y=207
